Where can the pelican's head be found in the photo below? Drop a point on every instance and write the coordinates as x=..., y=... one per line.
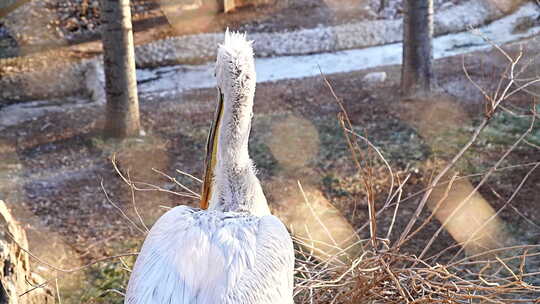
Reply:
x=235, y=70
x=229, y=171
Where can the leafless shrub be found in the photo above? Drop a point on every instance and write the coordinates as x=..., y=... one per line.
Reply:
x=386, y=273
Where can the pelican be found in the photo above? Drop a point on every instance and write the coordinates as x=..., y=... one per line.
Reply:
x=231, y=250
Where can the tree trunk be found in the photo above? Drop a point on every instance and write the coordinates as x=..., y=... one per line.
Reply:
x=417, y=71
x=15, y=275
x=122, y=117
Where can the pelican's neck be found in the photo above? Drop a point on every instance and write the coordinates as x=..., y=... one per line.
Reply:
x=230, y=181
x=235, y=185
x=234, y=129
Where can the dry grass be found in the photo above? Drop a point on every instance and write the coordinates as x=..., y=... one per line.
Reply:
x=384, y=275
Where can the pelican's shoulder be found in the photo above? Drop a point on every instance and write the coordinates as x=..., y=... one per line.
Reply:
x=194, y=256
x=184, y=217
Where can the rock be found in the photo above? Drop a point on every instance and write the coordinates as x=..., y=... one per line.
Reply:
x=374, y=78
x=72, y=24
x=15, y=275
x=84, y=21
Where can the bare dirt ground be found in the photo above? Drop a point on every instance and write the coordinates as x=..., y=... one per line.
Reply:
x=55, y=166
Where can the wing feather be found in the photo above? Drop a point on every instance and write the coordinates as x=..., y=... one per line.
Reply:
x=197, y=257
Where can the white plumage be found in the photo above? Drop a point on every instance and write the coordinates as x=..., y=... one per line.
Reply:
x=236, y=251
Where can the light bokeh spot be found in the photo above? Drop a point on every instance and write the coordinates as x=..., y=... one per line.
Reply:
x=294, y=142
x=191, y=15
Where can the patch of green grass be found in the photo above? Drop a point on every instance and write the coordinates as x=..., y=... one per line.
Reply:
x=107, y=281
x=262, y=157
x=332, y=186
x=402, y=146
x=502, y=132
x=505, y=129
x=109, y=146
x=397, y=142
x=333, y=143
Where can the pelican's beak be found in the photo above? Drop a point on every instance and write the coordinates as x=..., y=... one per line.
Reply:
x=211, y=154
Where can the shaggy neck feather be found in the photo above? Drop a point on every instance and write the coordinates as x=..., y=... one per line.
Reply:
x=236, y=188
